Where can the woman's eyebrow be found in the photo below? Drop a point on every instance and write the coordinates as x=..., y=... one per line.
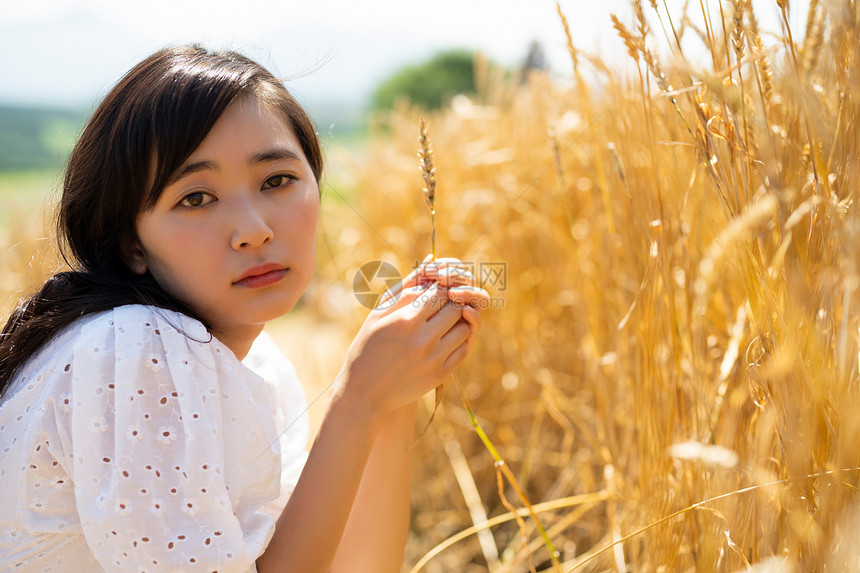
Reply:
x=274, y=155
x=194, y=167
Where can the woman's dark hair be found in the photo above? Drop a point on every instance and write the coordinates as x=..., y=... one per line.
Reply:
x=139, y=135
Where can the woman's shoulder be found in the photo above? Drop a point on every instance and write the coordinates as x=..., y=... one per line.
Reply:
x=134, y=335
x=132, y=320
x=152, y=338
x=136, y=360
x=152, y=421
x=137, y=331
x=143, y=319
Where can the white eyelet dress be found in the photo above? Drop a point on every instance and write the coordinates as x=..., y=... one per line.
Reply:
x=136, y=442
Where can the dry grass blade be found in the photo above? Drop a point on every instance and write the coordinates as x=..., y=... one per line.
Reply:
x=524, y=536
x=701, y=505
x=502, y=469
x=584, y=500
x=469, y=488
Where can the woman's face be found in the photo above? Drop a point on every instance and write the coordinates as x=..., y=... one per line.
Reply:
x=233, y=234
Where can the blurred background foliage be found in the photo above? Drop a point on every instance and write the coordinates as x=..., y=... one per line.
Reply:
x=430, y=84
x=36, y=138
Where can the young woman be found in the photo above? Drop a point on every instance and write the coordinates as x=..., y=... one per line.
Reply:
x=135, y=435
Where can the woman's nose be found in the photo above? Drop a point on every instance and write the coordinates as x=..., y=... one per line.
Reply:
x=250, y=228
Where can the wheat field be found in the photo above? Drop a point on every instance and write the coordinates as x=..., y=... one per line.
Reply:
x=673, y=378
x=670, y=368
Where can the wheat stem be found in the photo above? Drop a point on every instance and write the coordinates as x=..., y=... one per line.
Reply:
x=585, y=99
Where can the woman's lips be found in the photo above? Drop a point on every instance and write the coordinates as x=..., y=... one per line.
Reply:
x=261, y=276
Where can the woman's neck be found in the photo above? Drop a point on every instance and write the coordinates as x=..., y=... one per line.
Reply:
x=239, y=339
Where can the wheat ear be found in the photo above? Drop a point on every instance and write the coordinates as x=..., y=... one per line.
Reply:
x=428, y=170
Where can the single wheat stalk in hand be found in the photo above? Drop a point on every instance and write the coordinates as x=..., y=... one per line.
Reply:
x=428, y=171
x=425, y=156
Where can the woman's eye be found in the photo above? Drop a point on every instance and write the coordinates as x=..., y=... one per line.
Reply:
x=278, y=181
x=197, y=199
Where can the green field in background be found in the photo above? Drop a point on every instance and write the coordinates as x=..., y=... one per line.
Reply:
x=27, y=193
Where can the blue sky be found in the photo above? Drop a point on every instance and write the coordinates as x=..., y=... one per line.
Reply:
x=69, y=52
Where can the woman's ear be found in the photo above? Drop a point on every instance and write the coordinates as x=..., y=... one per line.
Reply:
x=133, y=256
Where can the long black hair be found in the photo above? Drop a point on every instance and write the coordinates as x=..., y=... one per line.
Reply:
x=139, y=135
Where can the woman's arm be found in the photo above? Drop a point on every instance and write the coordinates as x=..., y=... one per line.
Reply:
x=378, y=525
x=312, y=524
x=398, y=355
x=352, y=499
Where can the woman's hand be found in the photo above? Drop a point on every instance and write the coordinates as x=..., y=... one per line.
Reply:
x=413, y=340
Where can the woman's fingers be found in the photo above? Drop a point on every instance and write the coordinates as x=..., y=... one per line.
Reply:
x=460, y=336
x=455, y=358
x=445, y=311
x=428, y=303
x=420, y=333
x=454, y=346
x=449, y=272
x=443, y=319
x=469, y=296
x=391, y=302
x=473, y=317
x=419, y=275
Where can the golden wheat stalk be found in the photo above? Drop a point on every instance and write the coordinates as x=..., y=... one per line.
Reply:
x=738, y=28
x=641, y=20
x=629, y=41
x=428, y=170
x=762, y=64
x=635, y=46
x=814, y=36
x=585, y=102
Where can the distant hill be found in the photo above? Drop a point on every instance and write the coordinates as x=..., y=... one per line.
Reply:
x=37, y=138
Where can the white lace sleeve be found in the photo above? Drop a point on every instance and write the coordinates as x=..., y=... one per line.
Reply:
x=175, y=448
